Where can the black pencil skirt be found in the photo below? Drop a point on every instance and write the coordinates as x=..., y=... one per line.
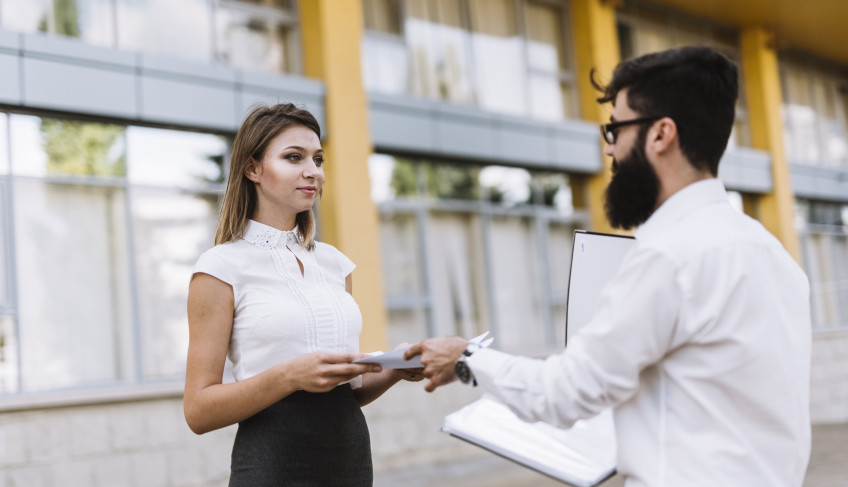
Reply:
x=305, y=440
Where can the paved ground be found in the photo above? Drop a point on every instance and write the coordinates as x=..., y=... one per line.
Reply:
x=828, y=468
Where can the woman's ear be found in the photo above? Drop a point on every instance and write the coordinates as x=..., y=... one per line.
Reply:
x=253, y=170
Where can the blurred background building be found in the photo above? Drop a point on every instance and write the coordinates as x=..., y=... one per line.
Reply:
x=463, y=151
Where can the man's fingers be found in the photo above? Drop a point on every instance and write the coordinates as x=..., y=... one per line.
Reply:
x=413, y=351
x=430, y=386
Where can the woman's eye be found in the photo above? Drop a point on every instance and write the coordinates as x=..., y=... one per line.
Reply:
x=293, y=157
x=319, y=161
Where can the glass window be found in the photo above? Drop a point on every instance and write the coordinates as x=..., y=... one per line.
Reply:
x=459, y=237
x=174, y=158
x=171, y=230
x=4, y=143
x=498, y=58
x=88, y=20
x=181, y=29
x=438, y=44
x=507, y=186
x=550, y=96
x=816, y=130
x=385, y=61
x=5, y=269
x=381, y=16
x=516, y=280
x=8, y=356
x=51, y=147
x=260, y=39
x=824, y=239
x=73, y=284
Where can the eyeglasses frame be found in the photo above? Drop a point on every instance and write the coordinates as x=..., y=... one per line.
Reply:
x=609, y=131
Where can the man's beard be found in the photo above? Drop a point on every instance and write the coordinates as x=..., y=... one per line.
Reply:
x=633, y=191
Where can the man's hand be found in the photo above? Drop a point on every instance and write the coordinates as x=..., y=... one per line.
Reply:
x=439, y=356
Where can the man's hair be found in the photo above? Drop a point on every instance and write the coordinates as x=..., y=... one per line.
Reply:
x=694, y=86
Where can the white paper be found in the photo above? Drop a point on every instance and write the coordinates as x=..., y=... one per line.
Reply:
x=583, y=455
x=595, y=258
x=392, y=360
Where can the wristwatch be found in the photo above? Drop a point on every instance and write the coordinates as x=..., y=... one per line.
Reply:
x=462, y=370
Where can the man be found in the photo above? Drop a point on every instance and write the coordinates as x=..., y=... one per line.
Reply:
x=701, y=343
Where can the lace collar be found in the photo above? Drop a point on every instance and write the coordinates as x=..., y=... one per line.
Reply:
x=267, y=237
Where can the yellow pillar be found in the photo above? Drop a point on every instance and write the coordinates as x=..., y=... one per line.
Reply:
x=331, y=34
x=762, y=89
x=596, y=41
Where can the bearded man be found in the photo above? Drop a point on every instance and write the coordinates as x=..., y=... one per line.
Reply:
x=701, y=342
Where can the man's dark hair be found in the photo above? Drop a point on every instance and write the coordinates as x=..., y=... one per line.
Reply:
x=694, y=86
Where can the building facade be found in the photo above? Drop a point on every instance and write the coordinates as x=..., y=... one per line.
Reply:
x=462, y=152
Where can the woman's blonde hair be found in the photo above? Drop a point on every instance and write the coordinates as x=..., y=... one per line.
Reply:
x=262, y=124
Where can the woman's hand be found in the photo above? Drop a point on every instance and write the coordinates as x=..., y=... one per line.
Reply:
x=323, y=371
x=410, y=375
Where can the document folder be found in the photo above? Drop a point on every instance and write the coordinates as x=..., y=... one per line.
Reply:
x=585, y=454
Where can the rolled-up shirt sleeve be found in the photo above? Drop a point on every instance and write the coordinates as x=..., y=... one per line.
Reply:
x=634, y=327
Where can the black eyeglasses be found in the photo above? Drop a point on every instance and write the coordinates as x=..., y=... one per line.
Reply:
x=610, y=130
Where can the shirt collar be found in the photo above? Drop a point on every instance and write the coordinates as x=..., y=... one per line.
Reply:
x=682, y=203
x=268, y=237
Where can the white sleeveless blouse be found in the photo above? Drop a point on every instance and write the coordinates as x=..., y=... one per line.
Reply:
x=279, y=313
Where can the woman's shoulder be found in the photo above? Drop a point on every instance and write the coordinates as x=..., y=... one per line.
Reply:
x=330, y=255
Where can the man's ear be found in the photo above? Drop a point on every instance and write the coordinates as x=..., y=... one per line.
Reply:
x=663, y=135
x=253, y=170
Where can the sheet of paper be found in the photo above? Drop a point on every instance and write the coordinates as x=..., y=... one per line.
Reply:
x=392, y=360
x=583, y=455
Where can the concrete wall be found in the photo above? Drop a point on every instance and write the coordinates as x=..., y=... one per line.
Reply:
x=829, y=377
x=148, y=444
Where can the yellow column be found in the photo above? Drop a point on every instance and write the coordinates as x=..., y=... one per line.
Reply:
x=762, y=89
x=596, y=41
x=331, y=34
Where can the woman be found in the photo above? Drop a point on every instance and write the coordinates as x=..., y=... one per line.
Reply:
x=279, y=303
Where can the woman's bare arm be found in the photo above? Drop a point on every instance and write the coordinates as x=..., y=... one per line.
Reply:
x=208, y=403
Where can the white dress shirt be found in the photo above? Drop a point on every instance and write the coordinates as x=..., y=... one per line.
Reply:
x=279, y=313
x=701, y=343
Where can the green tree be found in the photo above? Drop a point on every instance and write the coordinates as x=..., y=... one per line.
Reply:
x=65, y=19
x=83, y=148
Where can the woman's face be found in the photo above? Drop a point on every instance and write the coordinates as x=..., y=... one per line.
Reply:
x=289, y=176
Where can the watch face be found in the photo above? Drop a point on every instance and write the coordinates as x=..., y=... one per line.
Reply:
x=463, y=373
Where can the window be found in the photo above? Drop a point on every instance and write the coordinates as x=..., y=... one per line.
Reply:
x=824, y=240
x=257, y=35
x=497, y=239
x=816, y=127
x=644, y=29
x=107, y=221
x=180, y=29
x=89, y=20
x=507, y=56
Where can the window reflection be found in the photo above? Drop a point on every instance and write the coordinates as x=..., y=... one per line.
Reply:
x=816, y=131
x=89, y=20
x=181, y=29
x=449, y=263
x=52, y=147
x=8, y=356
x=439, y=50
x=173, y=158
x=171, y=230
x=73, y=284
x=498, y=56
x=255, y=39
x=4, y=143
x=507, y=186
